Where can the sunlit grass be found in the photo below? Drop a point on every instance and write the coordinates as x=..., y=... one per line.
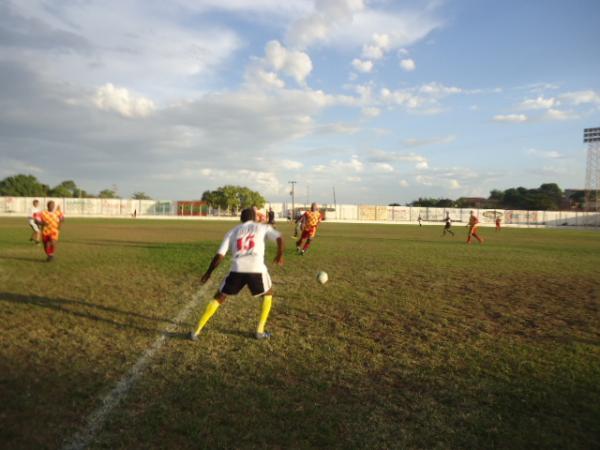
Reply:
x=418, y=340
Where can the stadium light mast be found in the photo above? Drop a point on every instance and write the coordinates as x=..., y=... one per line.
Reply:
x=591, y=136
x=293, y=183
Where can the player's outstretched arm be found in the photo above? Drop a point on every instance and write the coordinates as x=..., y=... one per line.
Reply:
x=280, y=247
x=213, y=265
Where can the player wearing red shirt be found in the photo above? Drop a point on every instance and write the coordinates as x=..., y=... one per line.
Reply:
x=51, y=220
x=310, y=222
x=473, y=228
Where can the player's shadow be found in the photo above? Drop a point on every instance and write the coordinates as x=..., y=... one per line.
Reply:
x=238, y=333
x=41, y=259
x=116, y=243
x=65, y=306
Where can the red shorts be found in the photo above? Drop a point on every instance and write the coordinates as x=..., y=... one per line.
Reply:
x=309, y=234
x=50, y=237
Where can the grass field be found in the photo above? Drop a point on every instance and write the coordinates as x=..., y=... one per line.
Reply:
x=417, y=341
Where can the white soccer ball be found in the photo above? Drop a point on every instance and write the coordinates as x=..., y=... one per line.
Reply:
x=322, y=277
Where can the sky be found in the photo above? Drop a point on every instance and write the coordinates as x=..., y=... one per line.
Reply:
x=384, y=101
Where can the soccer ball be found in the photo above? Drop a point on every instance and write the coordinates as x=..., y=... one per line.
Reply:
x=322, y=277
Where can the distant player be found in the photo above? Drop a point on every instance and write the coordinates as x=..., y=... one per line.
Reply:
x=298, y=223
x=473, y=228
x=447, y=226
x=51, y=220
x=310, y=221
x=34, y=220
x=497, y=223
x=246, y=242
x=271, y=217
x=419, y=220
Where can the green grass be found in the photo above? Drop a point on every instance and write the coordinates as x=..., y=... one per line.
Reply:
x=417, y=341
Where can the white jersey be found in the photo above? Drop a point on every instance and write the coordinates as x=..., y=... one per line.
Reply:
x=33, y=215
x=247, y=245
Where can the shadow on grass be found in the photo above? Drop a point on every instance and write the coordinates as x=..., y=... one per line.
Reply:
x=234, y=332
x=41, y=259
x=117, y=243
x=62, y=305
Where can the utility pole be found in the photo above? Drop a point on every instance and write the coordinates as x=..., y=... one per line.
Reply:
x=293, y=183
x=335, y=203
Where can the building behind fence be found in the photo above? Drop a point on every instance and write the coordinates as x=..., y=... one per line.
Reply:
x=100, y=207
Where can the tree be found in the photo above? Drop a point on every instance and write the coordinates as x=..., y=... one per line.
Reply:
x=108, y=193
x=433, y=202
x=67, y=188
x=140, y=196
x=22, y=186
x=231, y=197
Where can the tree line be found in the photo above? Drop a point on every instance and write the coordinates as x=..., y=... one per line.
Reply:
x=29, y=186
x=226, y=197
x=547, y=197
x=231, y=197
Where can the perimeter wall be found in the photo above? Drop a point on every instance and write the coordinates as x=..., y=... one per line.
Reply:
x=96, y=207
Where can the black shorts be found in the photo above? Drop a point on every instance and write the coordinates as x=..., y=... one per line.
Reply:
x=258, y=283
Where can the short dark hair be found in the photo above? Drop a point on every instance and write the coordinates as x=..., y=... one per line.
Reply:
x=248, y=214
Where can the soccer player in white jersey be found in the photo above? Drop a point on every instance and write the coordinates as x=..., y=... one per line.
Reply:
x=246, y=242
x=34, y=220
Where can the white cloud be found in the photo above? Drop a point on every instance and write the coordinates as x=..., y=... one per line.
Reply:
x=376, y=49
x=319, y=25
x=512, y=118
x=265, y=182
x=403, y=183
x=383, y=168
x=439, y=90
x=133, y=44
x=112, y=98
x=291, y=165
x=362, y=66
x=372, y=52
x=382, y=41
x=538, y=103
x=371, y=111
x=381, y=156
x=354, y=179
x=454, y=184
x=294, y=63
x=556, y=114
x=547, y=154
x=582, y=97
x=424, y=180
x=415, y=142
x=408, y=65
x=261, y=78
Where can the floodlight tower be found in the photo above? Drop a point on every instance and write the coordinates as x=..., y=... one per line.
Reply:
x=591, y=136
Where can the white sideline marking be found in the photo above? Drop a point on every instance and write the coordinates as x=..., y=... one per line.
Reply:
x=95, y=421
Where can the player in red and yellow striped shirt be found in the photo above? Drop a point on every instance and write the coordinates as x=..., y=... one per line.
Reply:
x=473, y=228
x=51, y=220
x=310, y=221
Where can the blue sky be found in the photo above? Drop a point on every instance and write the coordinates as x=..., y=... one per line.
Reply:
x=385, y=100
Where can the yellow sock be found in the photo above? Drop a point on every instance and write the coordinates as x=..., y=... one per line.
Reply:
x=264, y=315
x=211, y=308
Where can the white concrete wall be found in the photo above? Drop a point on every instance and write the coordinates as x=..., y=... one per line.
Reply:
x=96, y=207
